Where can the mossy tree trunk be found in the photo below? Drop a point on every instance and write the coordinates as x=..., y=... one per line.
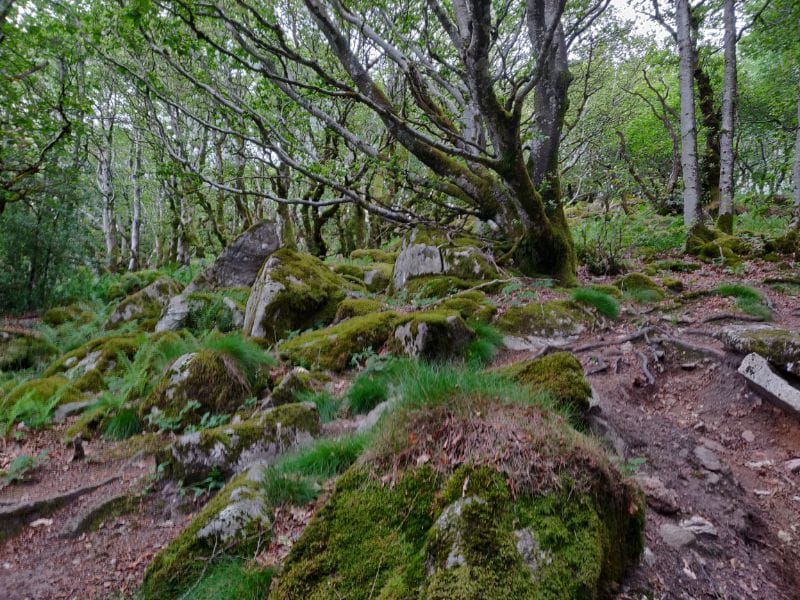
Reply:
x=729, y=97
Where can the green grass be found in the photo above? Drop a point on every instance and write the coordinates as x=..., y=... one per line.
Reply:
x=249, y=356
x=281, y=488
x=231, y=580
x=124, y=424
x=324, y=458
x=748, y=299
x=374, y=384
x=480, y=351
x=327, y=405
x=604, y=303
x=642, y=296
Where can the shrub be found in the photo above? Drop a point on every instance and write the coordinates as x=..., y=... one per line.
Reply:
x=604, y=303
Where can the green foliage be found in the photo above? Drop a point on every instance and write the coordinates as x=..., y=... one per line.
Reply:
x=327, y=405
x=373, y=385
x=481, y=350
x=280, y=488
x=604, y=303
x=21, y=466
x=250, y=358
x=748, y=300
x=324, y=458
x=124, y=424
x=231, y=579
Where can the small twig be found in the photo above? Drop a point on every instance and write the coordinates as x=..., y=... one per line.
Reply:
x=628, y=338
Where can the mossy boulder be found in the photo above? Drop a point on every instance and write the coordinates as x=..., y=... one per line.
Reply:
x=130, y=283
x=353, y=271
x=294, y=383
x=41, y=391
x=210, y=379
x=24, y=350
x=72, y=313
x=672, y=284
x=377, y=277
x=470, y=305
x=232, y=448
x=712, y=245
x=356, y=307
x=374, y=255
x=235, y=523
x=472, y=501
x=292, y=291
x=222, y=310
x=429, y=288
x=554, y=318
x=558, y=374
x=638, y=284
x=432, y=335
x=333, y=347
x=788, y=244
x=89, y=366
x=145, y=306
x=779, y=346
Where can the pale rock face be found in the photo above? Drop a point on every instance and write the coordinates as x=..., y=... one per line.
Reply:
x=433, y=339
x=154, y=297
x=264, y=292
x=755, y=368
x=780, y=346
x=245, y=510
x=416, y=260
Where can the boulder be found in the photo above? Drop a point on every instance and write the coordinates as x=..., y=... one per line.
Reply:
x=333, y=347
x=72, y=313
x=232, y=448
x=236, y=267
x=222, y=309
x=640, y=286
x=237, y=521
x=559, y=374
x=293, y=291
x=24, y=350
x=356, y=307
x=416, y=258
x=145, y=306
x=473, y=500
x=435, y=335
x=374, y=255
x=780, y=346
x=55, y=390
x=470, y=305
x=209, y=379
x=295, y=382
x=554, y=318
x=377, y=277
x=763, y=379
x=88, y=366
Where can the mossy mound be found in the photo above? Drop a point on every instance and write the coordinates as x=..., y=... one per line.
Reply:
x=639, y=282
x=611, y=290
x=470, y=305
x=432, y=335
x=353, y=271
x=144, y=307
x=41, y=391
x=546, y=319
x=333, y=347
x=231, y=448
x=374, y=255
x=222, y=310
x=788, y=244
x=292, y=291
x=88, y=366
x=234, y=523
x=130, y=283
x=780, y=346
x=24, y=350
x=712, y=245
x=72, y=313
x=473, y=501
x=559, y=374
x=436, y=287
x=377, y=277
x=356, y=307
x=295, y=382
x=209, y=378
x=672, y=284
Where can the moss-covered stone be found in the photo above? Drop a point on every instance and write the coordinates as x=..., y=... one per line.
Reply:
x=295, y=382
x=234, y=523
x=351, y=270
x=231, y=448
x=72, y=313
x=144, y=307
x=672, y=284
x=435, y=287
x=713, y=245
x=377, y=277
x=41, y=391
x=780, y=346
x=333, y=347
x=639, y=282
x=515, y=506
x=292, y=291
x=356, y=307
x=222, y=309
x=611, y=290
x=546, y=319
x=24, y=350
x=207, y=377
x=470, y=305
x=373, y=255
x=88, y=366
x=130, y=283
x=559, y=374
x=788, y=244
x=432, y=335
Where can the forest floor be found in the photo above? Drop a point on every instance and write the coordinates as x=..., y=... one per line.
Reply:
x=670, y=400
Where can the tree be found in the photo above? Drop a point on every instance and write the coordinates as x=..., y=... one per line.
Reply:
x=729, y=94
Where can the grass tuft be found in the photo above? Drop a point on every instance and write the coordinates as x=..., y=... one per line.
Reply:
x=231, y=580
x=748, y=299
x=124, y=424
x=604, y=303
x=327, y=405
x=281, y=488
x=483, y=348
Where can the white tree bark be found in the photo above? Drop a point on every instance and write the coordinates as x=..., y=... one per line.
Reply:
x=797, y=168
x=106, y=188
x=729, y=98
x=136, y=216
x=691, y=183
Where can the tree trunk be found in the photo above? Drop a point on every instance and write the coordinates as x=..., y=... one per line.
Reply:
x=729, y=97
x=797, y=168
x=106, y=189
x=692, y=214
x=136, y=213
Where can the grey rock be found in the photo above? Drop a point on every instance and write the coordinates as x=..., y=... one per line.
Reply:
x=676, y=536
x=244, y=511
x=430, y=337
x=748, y=436
x=773, y=387
x=531, y=552
x=707, y=458
x=699, y=526
x=780, y=346
x=416, y=260
x=793, y=466
x=69, y=409
x=149, y=300
x=659, y=497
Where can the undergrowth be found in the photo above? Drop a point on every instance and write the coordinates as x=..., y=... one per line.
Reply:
x=604, y=303
x=480, y=351
x=748, y=299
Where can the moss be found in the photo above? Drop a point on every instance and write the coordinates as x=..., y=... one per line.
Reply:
x=73, y=313
x=293, y=291
x=129, y=283
x=294, y=383
x=787, y=244
x=333, y=347
x=179, y=564
x=207, y=377
x=672, y=284
x=560, y=374
x=378, y=276
x=89, y=365
x=470, y=305
x=438, y=335
x=354, y=271
x=468, y=262
x=24, y=351
x=546, y=319
x=212, y=309
x=779, y=346
x=356, y=307
x=144, y=307
x=42, y=391
x=611, y=290
x=436, y=286
x=637, y=282
x=714, y=245
x=374, y=255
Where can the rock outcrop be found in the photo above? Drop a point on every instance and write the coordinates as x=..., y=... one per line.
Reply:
x=145, y=306
x=780, y=346
x=777, y=390
x=436, y=335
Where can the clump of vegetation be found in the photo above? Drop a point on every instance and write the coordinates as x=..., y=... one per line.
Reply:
x=481, y=350
x=19, y=468
x=327, y=405
x=604, y=303
x=748, y=299
x=231, y=579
